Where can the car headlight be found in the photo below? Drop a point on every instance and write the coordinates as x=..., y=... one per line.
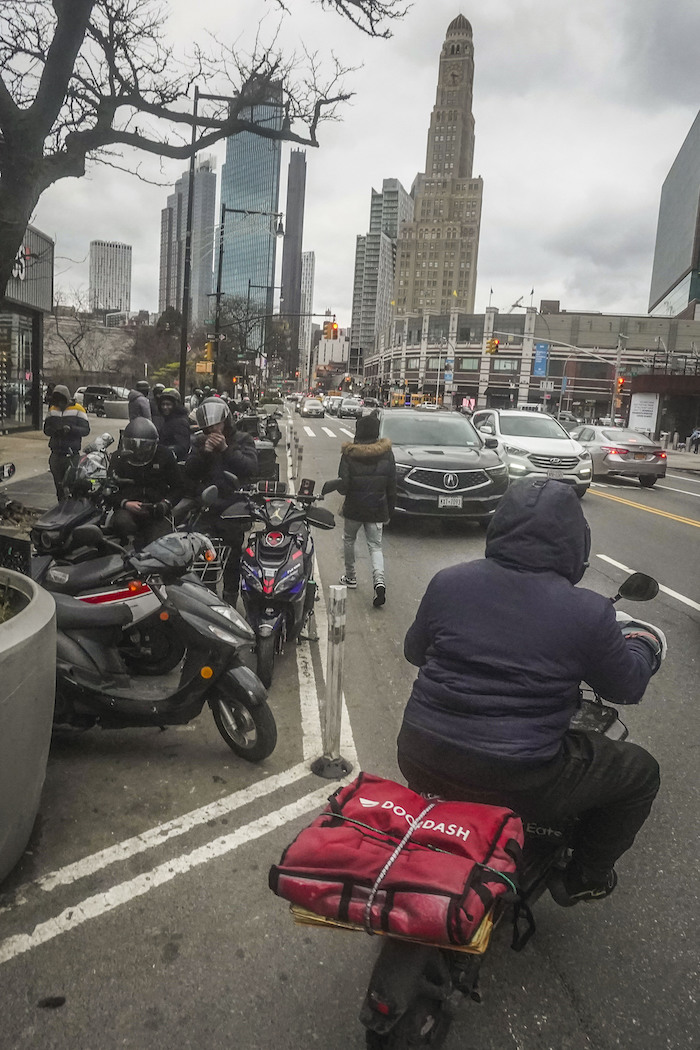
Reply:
x=402, y=469
x=500, y=469
x=584, y=455
x=513, y=450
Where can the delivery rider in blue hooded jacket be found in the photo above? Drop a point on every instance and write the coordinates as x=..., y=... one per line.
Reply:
x=503, y=644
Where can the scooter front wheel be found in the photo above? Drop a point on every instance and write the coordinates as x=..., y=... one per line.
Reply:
x=250, y=732
x=265, y=651
x=426, y=1022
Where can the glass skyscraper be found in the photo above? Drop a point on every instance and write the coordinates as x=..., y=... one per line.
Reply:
x=250, y=181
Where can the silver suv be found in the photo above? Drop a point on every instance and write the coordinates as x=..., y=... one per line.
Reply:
x=534, y=443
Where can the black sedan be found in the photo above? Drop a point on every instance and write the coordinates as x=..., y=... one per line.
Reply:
x=443, y=466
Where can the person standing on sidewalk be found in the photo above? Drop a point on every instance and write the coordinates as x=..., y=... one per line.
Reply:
x=367, y=475
x=66, y=425
x=695, y=440
x=138, y=403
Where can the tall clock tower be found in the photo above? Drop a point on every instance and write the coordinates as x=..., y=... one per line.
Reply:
x=437, y=252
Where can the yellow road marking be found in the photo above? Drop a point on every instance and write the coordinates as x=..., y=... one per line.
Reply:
x=649, y=510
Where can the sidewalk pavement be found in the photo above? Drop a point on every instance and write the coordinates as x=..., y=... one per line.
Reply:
x=689, y=461
x=29, y=451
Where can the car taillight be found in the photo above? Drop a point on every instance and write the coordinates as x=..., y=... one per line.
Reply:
x=613, y=451
x=661, y=455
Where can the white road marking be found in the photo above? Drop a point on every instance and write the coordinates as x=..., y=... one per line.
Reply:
x=309, y=431
x=683, y=477
x=172, y=828
x=350, y=433
x=331, y=433
x=125, y=892
x=666, y=590
x=683, y=492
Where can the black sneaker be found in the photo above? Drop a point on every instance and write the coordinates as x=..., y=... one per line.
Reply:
x=575, y=885
x=349, y=581
x=379, y=595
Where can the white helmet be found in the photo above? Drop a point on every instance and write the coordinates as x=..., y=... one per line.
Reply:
x=212, y=410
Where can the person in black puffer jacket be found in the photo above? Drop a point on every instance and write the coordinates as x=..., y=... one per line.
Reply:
x=367, y=474
x=173, y=424
x=219, y=449
x=148, y=484
x=503, y=644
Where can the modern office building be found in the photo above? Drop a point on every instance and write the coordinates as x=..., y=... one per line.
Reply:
x=373, y=283
x=437, y=252
x=308, y=265
x=290, y=305
x=675, y=278
x=173, y=233
x=250, y=180
x=110, y=275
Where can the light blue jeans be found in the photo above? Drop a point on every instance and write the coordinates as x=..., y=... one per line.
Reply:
x=373, y=535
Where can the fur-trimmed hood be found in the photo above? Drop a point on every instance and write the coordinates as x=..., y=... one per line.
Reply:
x=366, y=450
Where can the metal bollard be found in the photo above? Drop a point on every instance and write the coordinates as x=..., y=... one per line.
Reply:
x=332, y=765
x=295, y=457
x=300, y=458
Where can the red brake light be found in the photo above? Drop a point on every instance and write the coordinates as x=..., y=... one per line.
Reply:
x=613, y=450
x=661, y=455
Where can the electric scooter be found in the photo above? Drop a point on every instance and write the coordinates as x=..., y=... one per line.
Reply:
x=94, y=686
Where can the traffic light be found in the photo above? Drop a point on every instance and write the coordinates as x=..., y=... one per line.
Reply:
x=334, y=330
x=328, y=330
x=209, y=350
x=234, y=380
x=492, y=346
x=620, y=383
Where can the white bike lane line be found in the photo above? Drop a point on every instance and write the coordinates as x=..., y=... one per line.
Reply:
x=122, y=893
x=666, y=590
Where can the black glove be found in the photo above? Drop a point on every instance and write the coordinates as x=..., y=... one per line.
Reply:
x=160, y=510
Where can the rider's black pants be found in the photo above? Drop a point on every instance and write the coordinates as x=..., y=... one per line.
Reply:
x=608, y=785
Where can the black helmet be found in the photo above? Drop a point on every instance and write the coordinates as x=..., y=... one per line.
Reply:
x=171, y=394
x=139, y=441
x=158, y=389
x=142, y=386
x=212, y=410
x=207, y=390
x=197, y=390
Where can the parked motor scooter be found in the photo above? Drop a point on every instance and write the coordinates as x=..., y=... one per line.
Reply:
x=277, y=584
x=95, y=688
x=272, y=428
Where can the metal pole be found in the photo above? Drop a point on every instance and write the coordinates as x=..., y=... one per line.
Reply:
x=618, y=362
x=563, y=376
x=332, y=765
x=187, y=270
x=217, y=313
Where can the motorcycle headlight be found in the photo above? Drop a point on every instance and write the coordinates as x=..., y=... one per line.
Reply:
x=233, y=616
x=224, y=636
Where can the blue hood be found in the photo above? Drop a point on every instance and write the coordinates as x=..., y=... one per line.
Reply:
x=539, y=527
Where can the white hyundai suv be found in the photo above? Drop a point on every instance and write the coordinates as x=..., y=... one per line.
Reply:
x=534, y=443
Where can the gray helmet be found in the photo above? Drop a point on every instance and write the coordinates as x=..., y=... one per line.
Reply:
x=158, y=389
x=212, y=410
x=142, y=386
x=139, y=441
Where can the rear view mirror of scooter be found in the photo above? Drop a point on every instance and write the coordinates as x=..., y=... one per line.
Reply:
x=638, y=588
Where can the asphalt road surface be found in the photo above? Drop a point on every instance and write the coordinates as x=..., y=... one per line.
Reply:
x=141, y=916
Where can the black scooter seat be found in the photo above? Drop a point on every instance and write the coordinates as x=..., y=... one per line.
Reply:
x=85, y=575
x=74, y=615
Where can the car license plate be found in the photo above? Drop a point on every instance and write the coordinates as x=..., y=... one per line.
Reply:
x=450, y=501
x=640, y=455
x=555, y=473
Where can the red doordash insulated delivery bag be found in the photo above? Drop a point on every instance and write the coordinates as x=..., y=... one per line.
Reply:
x=386, y=858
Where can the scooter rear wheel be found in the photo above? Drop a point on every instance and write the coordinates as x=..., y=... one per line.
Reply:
x=250, y=732
x=425, y=1023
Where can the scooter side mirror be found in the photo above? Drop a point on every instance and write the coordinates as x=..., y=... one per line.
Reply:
x=638, y=588
x=320, y=518
x=209, y=495
x=106, y=439
x=233, y=478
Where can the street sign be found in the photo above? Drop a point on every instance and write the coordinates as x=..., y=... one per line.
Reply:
x=449, y=363
x=204, y=366
x=547, y=384
x=449, y=377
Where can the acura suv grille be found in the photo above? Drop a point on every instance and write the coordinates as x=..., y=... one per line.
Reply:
x=444, y=480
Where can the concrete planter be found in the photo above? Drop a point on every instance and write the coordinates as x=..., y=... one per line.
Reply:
x=27, y=688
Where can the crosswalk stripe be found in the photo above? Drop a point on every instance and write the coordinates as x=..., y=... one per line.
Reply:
x=331, y=433
x=350, y=433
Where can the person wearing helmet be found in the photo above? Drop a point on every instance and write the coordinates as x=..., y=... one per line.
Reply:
x=147, y=484
x=173, y=423
x=153, y=397
x=138, y=403
x=219, y=449
x=503, y=644
x=66, y=425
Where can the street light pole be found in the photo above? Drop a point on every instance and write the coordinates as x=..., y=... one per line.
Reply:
x=187, y=269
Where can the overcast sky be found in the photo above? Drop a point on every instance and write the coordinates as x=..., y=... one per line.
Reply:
x=580, y=110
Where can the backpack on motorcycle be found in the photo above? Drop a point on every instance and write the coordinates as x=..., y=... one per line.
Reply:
x=268, y=469
x=384, y=858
